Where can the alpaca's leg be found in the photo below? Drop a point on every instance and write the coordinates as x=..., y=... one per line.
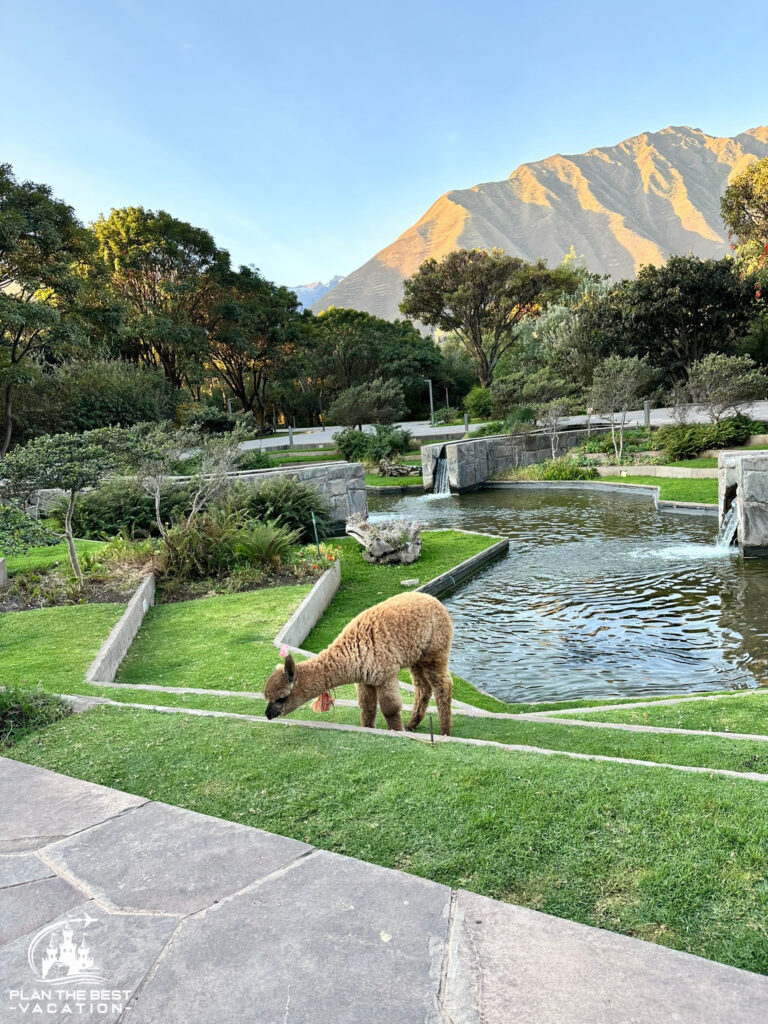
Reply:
x=423, y=692
x=391, y=704
x=366, y=698
x=441, y=681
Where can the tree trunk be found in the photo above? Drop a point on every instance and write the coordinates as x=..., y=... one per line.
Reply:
x=158, y=517
x=70, y=539
x=8, y=412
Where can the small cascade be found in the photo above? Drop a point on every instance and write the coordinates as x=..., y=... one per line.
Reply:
x=441, y=485
x=728, y=527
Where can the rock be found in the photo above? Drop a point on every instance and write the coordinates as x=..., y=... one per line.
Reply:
x=395, y=542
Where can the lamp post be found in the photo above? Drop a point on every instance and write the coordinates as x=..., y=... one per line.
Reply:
x=431, y=403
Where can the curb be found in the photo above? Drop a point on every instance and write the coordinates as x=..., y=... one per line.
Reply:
x=311, y=609
x=111, y=653
x=395, y=489
x=651, y=490
x=3, y=573
x=464, y=570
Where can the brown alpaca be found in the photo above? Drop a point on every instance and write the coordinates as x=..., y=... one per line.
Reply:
x=407, y=631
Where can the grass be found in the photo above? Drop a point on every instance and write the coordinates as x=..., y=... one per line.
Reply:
x=221, y=642
x=747, y=714
x=653, y=854
x=374, y=480
x=672, y=489
x=53, y=646
x=41, y=558
x=363, y=585
x=24, y=709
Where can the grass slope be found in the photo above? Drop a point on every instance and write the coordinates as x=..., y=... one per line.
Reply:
x=653, y=854
x=747, y=714
x=53, y=646
x=221, y=642
x=672, y=489
x=41, y=558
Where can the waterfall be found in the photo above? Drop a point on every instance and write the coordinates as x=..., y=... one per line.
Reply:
x=441, y=485
x=728, y=527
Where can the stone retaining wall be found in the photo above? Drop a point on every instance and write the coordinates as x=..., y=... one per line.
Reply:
x=474, y=461
x=744, y=475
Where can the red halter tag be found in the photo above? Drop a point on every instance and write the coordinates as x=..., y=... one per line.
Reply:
x=323, y=703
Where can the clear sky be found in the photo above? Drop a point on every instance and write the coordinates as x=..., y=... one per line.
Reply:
x=306, y=136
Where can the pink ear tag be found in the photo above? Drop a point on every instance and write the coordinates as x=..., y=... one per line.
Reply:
x=283, y=651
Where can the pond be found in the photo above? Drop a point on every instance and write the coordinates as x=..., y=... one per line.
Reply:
x=600, y=596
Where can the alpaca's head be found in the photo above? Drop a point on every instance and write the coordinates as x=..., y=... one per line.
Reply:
x=280, y=692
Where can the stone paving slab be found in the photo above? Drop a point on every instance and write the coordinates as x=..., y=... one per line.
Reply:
x=168, y=860
x=37, y=806
x=24, y=908
x=22, y=867
x=123, y=948
x=509, y=963
x=330, y=941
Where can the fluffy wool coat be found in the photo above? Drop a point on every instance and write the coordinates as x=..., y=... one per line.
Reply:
x=412, y=631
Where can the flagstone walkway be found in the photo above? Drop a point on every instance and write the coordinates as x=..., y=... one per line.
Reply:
x=116, y=908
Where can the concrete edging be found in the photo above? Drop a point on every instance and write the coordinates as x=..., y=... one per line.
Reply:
x=3, y=573
x=651, y=490
x=104, y=666
x=311, y=609
x=395, y=489
x=448, y=580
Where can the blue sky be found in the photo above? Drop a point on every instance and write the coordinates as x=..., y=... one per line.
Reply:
x=306, y=136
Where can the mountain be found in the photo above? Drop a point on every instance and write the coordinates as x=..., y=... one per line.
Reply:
x=619, y=207
x=309, y=293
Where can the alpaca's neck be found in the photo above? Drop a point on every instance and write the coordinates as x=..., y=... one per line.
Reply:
x=319, y=674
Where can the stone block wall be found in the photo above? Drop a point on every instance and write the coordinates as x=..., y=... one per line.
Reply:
x=744, y=476
x=473, y=462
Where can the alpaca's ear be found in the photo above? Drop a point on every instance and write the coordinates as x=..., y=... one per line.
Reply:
x=289, y=667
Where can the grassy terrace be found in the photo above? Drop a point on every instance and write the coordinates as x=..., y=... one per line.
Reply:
x=42, y=558
x=673, y=489
x=745, y=714
x=374, y=480
x=654, y=854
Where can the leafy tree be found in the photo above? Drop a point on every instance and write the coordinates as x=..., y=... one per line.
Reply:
x=167, y=275
x=479, y=402
x=617, y=387
x=483, y=296
x=70, y=462
x=19, y=531
x=42, y=245
x=380, y=402
x=744, y=208
x=255, y=330
x=725, y=383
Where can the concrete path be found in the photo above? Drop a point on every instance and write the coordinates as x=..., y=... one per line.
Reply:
x=191, y=918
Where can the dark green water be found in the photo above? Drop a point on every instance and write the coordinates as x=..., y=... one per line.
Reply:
x=600, y=596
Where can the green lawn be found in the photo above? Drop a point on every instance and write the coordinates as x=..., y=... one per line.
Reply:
x=374, y=480
x=41, y=558
x=221, y=642
x=53, y=646
x=363, y=585
x=747, y=714
x=651, y=853
x=673, y=490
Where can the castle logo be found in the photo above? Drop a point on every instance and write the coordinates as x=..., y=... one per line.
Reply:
x=60, y=953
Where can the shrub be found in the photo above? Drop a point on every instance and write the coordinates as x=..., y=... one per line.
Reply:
x=519, y=418
x=383, y=443
x=254, y=459
x=122, y=506
x=487, y=429
x=19, y=532
x=23, y=710
x=479, y=402
x=685, y=442
x=285, y=501
x=445, y=415
x=379, y=401
x=635, y=440
x=213, y=420
x=111, y=394
x=553, y=469
x=265, y=543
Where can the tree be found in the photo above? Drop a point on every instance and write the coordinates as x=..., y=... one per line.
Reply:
x=551, y=415
x=617, y=387
x=42, y=246
x=725, y=383
x=166, y=274
x=379, y=402
x=744, y=209
x=70, y=462
x=256, y=327
x=482, y=296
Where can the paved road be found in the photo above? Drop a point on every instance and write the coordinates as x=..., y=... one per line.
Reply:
x=191, y=918
x=422, y=428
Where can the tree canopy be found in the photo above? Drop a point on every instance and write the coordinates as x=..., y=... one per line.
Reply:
x=744, y=209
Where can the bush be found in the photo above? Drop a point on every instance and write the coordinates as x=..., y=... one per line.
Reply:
x=519, y=418
x=685, y=442
x=553, y=469
x=19, y=532
x=122, y=506
x=219, y=541
x=379, y=401
x=285, y=501
x=111, y=394
x=23, y=710
x=254, y=459
x=479, y=403
x=635, y=440
x=384, y=443
x=445, y=416
x=214, y=420
x=487, y=429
